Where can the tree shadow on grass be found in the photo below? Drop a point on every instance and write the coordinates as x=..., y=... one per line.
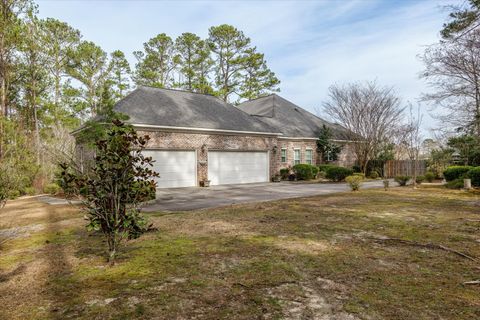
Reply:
x=15, y=272
x=62, y=289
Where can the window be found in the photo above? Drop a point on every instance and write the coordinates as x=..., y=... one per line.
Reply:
x=329, y=156
x=296, y=156
x=284, y=155
x=309, y=156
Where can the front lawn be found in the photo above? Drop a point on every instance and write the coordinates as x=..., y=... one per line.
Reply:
x=322, y=257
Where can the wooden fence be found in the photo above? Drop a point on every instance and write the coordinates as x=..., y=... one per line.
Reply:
x=393, y=168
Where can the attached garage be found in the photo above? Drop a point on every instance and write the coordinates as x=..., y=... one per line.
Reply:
x=231, y=167
x=176, y=168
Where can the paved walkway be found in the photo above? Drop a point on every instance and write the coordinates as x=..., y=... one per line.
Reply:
x=184, y=199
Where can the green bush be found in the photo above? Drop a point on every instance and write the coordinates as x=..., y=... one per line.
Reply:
x=338, y=173
x=305, y=171
x=474, y=175
x=325, y=167
x=374, y=174
x=456, y=172
x=402, y=180
x=321, y=174
x=315, y=171
x=455, y=184
x=13, y=194
x=354, y=181
x=30, y=191
x=420, y=179
x=359, y=174
x=51, y=188
x=429, y=176
x=284, y=172
x=356, y=168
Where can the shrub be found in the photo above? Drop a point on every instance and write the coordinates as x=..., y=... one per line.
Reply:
x=359, y=174
x=455, y=184
x=338, y=173
x=386, y=184
x=13, y=194
x=402, y=180
x=315, y=171
x=356, y=168
x=374, y=174
x=51, y=188
x=354, y=181
x=420, y=179
x=321, y=174
x=456, y=172
x=325, y=167
x=429, y=176
x=284, y=172
x=30, y=191
x=474, y=174
x=304, y=171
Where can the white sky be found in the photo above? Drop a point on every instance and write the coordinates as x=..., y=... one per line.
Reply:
x=308, y=44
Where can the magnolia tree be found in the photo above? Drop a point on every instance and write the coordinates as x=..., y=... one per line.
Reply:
x=112, y=190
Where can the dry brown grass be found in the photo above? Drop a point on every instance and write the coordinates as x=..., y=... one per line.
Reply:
x=310, y=258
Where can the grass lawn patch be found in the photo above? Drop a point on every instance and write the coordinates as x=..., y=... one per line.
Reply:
x=303, y=258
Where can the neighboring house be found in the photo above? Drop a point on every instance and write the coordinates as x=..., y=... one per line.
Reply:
x=197, y=137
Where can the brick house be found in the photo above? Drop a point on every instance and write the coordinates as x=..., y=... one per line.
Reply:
x=197, y=137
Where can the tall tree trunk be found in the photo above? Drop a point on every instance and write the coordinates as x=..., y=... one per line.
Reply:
x=37, y=131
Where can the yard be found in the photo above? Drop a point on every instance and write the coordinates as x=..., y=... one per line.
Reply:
x=323, y=257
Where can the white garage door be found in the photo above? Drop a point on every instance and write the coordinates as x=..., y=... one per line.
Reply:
x=228, y=167
x=176, y=168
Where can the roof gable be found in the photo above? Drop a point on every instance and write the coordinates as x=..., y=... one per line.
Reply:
x=288, y=118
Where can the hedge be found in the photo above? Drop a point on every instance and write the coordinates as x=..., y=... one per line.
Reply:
x=305, y=171
x=455, y=184
x=456, y=172
x=402, y=180
x=429, y=176
x=474, y=175
x=324, y=167
x=338, y=173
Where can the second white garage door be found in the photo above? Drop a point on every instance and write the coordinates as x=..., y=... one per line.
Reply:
x=229, y=167
x=176, y=168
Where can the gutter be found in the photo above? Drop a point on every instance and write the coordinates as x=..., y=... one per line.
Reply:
x=171, y=128
x=151, y=127
x=310, y=138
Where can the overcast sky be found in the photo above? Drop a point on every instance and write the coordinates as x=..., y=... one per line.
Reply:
x=308, y=44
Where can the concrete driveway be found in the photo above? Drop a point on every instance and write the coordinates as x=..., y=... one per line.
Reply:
x=184, y=199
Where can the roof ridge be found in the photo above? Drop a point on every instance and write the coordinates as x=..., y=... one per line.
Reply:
x=258, y=98
x=178, y=90
x=303, y=109
x=208, y=95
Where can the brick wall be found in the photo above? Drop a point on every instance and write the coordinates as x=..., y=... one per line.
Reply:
x=290, y=145
x=202, y=142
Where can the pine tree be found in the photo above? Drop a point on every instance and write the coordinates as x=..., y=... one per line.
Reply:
x=156, y=63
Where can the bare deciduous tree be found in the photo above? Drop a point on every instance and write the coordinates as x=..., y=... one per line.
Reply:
x=370, y=114
x=411, y=139
x=452, y=68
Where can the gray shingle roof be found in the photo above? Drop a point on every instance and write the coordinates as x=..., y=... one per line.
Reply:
x=175, y=108
x=288, y=118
